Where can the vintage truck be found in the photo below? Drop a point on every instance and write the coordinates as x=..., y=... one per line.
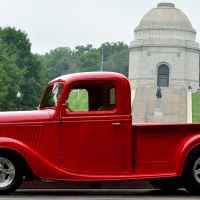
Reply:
x=96, y=141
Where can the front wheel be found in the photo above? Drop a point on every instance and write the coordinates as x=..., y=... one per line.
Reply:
x=192, y=173
x=10, y=173
x=167, y=184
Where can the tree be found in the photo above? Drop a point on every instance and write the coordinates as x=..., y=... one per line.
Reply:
x=118, y=62
x=61, y=61
x=11, y=78
x=17, y=44
x=3, y=86
x=36, y=79
x=80, y=50
x=90, y=61
x=110, y=49
x=32, y=69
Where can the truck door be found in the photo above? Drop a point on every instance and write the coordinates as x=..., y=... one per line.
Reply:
x=91, y=128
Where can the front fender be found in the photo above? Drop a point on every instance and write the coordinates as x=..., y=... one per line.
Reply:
x=181, y=152
x=41, y=167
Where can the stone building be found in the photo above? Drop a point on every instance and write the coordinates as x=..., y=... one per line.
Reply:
x=165, y=52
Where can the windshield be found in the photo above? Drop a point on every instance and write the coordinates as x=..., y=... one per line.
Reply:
x=52, y=95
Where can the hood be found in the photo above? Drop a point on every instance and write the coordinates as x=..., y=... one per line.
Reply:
x=24, y=116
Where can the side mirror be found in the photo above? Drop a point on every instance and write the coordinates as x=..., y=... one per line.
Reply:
x=67, y=103
x=65, y=108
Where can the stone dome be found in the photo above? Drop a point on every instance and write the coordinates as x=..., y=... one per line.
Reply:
x=165, y=16
x=164, y=51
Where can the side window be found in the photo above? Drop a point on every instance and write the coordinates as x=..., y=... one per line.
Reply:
x=52, y=95
x=112, y=96
x=92, y=97
x=109, y=99
x=78, y=100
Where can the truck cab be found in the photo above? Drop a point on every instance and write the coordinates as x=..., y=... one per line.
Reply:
x=94, y=132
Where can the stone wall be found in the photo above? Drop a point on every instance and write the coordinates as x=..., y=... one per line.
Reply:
x=183, y=64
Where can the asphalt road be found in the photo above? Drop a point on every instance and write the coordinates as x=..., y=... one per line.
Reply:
x=84, y=194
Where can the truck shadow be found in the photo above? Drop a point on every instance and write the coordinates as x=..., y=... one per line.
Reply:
x=100, y=192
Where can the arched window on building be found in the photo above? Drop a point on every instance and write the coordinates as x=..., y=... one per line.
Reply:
x=163, y=76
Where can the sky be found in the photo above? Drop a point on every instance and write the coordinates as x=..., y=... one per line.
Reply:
x=50, y=24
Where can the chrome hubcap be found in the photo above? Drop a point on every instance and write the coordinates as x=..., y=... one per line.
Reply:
x=7, y=172
x=196, y=170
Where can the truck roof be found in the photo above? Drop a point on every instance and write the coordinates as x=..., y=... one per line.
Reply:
x=101, y=76
x=90, y=76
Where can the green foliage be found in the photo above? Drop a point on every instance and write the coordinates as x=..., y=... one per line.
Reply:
x=3, y=86
x=86, y=58
x=196, y=107
x=11, y=77
x=36, y=79
x=80, y=50
x=21, y=71
x=90, y=61
x=61, y=61
x=116, y=58
x=17, y=44
x=118, y=62
x=110, y=49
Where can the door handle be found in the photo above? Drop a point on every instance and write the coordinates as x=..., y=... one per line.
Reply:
x=116, y=124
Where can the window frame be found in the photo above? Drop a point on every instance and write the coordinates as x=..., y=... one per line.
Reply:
x=43, y=98
x=115, y=111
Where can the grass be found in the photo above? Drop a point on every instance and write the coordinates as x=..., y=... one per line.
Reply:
x=78, y=100
x=196, y=107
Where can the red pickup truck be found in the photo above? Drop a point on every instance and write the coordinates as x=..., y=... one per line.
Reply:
x=95, y=141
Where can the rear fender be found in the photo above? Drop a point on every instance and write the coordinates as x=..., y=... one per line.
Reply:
x=182, y=151
x=41, y=167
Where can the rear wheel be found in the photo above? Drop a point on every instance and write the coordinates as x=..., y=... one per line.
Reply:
x=192, y=173
x=167, y=184
x=10, y=173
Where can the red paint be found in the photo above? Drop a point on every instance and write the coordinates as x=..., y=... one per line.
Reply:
x=89, y=145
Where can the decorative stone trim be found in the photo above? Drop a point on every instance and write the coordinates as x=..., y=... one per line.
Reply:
x=164, y=49
x=166, y=5
x=192, y=50
x=135, y=49
x=164, y=33
x=141, y=80
x=188, y=81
